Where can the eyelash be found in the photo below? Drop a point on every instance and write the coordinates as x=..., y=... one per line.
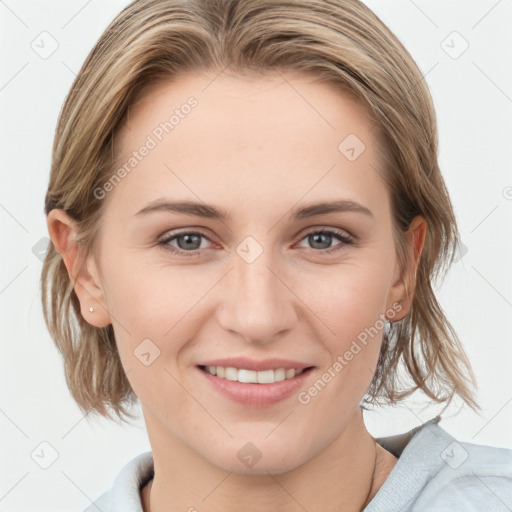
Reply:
x=164, y=242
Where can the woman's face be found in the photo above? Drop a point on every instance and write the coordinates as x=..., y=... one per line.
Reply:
x=260, y=283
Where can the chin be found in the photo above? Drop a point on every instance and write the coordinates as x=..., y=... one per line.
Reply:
x=247, y=458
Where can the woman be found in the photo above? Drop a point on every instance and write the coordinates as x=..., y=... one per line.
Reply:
x=247, y=216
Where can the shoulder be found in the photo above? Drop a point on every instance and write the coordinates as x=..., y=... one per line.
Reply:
x=476, y=476
x=436, y=472
x=124, y=495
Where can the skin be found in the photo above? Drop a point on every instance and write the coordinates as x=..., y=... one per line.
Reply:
x=257, y=147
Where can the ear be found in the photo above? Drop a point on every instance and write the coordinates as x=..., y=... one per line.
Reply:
x=403, y=289
x=62, y=230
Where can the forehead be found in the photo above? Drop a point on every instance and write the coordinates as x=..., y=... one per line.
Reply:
x=279, y=136
x=255, y=103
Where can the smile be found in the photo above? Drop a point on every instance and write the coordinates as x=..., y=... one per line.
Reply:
x=251, y=376
x=255, y=388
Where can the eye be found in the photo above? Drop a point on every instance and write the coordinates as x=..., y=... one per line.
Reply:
x=322, y=239
x=186, y=241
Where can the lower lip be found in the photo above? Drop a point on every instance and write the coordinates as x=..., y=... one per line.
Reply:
x=257, y=395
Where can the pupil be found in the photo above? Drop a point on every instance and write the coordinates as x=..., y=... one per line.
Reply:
x=189, y=239
x=317, y=238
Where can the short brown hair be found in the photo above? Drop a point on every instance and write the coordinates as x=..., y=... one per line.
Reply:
x=340, y=42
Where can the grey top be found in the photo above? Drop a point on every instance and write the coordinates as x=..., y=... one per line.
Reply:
x=434, y=472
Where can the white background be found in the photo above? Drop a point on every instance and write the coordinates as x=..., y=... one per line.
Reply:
x=473, y=98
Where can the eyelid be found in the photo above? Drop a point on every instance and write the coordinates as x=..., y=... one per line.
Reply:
x=163, y=240
x=344, y=236
x=172, y=234
x=329, y=229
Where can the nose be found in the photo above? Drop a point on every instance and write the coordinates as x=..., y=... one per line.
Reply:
x=257, y=301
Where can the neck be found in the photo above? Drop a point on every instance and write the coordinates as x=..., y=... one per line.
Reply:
x=346, y=475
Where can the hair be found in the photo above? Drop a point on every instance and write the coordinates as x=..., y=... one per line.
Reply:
x=339, y=42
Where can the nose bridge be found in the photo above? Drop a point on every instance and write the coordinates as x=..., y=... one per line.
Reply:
x=256, y=303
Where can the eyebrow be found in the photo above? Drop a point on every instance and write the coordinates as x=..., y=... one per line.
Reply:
x=211, y=212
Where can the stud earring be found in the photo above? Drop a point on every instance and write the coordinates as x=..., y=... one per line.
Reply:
x=91, y=309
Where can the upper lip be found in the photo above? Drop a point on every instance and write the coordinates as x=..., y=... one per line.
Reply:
x=255, y=365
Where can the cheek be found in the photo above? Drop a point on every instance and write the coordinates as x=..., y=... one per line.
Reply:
x=349, y=297
x=146, y=296
x=352, y=307
x=154, y=310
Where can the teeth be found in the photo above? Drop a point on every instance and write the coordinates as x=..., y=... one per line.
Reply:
x=231, y=373
x=251, y=376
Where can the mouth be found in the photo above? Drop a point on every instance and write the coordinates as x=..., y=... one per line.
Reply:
x=254, y=388
x=247, y=376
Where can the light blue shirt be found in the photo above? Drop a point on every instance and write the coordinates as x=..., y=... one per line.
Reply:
x=434, y=473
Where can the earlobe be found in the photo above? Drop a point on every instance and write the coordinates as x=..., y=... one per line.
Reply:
x=62, y=230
